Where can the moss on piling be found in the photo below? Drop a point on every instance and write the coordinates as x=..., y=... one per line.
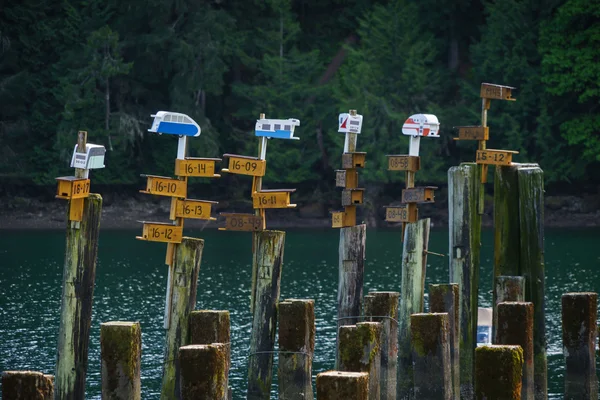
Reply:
x=498, y=372
x=338, y=385
x=359, y=345
x=427, y=330
x=203, y=370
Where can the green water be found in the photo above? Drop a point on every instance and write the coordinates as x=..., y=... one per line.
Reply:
x=131, y=278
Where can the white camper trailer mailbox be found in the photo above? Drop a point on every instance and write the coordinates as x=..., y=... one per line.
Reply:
x=350, y=123
x=93, y=158
x=277, y=128
x=421, y=125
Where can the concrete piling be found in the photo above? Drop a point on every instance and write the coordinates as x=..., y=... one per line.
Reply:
x=203, y=368
x=498, y=372
x=338, y=385
x=27, y=385
x=120, y=355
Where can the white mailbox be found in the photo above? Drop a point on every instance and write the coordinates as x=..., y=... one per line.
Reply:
x=349, y=123
x=93, y=158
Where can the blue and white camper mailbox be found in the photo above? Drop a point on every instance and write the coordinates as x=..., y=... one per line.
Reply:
x=350, y=123
x=173, y=123
x=277, y=128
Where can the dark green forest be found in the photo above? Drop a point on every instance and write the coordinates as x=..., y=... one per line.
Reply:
x=105, y=65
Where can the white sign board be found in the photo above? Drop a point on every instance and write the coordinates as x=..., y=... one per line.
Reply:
x=349, y=123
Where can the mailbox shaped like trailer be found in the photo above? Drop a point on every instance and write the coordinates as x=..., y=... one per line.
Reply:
x=350, y=123
x=173, y=123
x=93, y=158
x=422, y=125
x=277, y=128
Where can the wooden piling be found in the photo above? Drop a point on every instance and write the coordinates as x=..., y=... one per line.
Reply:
x=188, y=255
x=498, y=371
x=531, y=222
x=120, y=355
x=79, y=275
x=506, y=288
x=445, y=298
x=338, y=385
x=412, y=287
x=266, y=266
x=515, y=327
x=382, y=307
x=465, y=242
x=579, y=332
x=203, y=371
x=506, y=222
x=351, y=276
x=360, y=351
x=211, y=326
x=296, y=349
x=431, y=356
x=27, y=385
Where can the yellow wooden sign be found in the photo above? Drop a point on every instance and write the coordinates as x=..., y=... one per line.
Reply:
x=473, y=133
x=196, y=209
x=70, y=187
x=161, y=232
x=498, y=92
x=404, y=163
x=197, y=167
x=352, y=197
x=495, y=157
x=418, y=194
x=242, y=222
x=354, y=160
x=244, y=165
x=337, y=219
x=164, y=186
x=277, y=198
x=405, y=213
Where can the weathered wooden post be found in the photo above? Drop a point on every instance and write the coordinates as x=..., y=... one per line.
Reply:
x=445, y=298
x=579, y=332
x=531, y=222
x=338, y=385
x=266, y=265
x=382, y=307
x=506, y=288
x=431, y=356
x=296, y=349
x=211, y=326
x=464, y=246
x=498, y=371
x=188, y=255
x=79, y=271
x=360, y=351
x=412, y=287
x=203, y=372
x=27, y=385
x=120, y=355
x=352, y=236
x=515, y=327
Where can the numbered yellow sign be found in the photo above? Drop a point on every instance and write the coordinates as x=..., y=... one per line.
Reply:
x=242, y=222
x=244, y=165
x=418, y=194
x=337, y=219
x=354, y=160
x=404, y=163
x=196, y=209
x=163, y=186
x=352, y=197
x=346, y=178
x=272, y=198
x=473, y=133
x=197, y=167
x=70, y=187
x=498, y=92
x=161, y=232
x=495, y=157
x=406, y=213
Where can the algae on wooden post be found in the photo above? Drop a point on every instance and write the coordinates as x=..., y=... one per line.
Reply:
x=531, y=217
x=506, y=288
x=579, y=332
x=412, y=288
x=445, y=298
x=515, y=326
x=27, y=385
x=266, y=265
x=431, y=356
x=498, y=371
x=465, y=241
x=203, y=372
x=79, y=275
x=360, y=351
x=296, y=346
x=351, y=275
x=188, y=255
x=338, y=385
x=382, y=307
x=120, y=355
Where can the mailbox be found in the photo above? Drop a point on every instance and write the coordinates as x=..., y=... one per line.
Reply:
x=70, y=187
x=354, y=160
x=498, y=92
x=404, y=163
x=352, y=197
x=276, y=198
x=346, y=178
x=418, y=194
x=93, y=158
